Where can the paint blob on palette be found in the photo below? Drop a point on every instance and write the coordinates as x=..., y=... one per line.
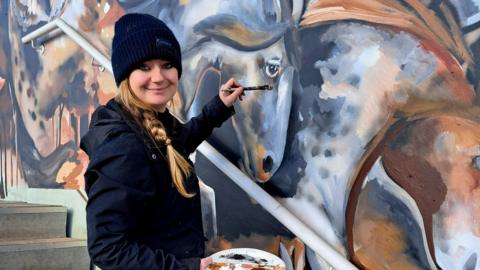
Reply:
x=245, y=259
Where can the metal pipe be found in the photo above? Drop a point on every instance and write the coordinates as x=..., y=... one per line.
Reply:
x=82, y=42
x=73, y=34
x=312, y=240
x=40, y=31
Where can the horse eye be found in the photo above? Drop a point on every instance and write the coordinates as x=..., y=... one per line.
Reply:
x=476, y=162
x=272, y=68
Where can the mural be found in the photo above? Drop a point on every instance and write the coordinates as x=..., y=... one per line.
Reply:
x=371, y=135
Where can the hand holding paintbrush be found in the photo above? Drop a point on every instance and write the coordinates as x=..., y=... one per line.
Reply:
x=231, y=90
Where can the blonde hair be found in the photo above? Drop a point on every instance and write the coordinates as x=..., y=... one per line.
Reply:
x=144, y=115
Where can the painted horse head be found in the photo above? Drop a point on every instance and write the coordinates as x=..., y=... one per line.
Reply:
x=254, y=52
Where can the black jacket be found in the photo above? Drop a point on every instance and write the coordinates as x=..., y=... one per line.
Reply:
x=136, y=218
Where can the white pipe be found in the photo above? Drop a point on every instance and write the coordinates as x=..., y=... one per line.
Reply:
x=73, y=34
x=100, y=58
x=40, y=31
x=312, y=240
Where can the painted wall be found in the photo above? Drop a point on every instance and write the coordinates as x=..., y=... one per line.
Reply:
x=370, y=136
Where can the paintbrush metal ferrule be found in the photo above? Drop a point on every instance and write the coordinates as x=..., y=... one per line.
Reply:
x=250, y=88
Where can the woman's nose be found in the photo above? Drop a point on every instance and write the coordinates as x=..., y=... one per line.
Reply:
x=157, y=75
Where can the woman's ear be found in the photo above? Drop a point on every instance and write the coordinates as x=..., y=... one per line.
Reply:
x=2, y=82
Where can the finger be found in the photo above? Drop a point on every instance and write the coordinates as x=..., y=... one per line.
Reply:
x=238, y=91
x=226, y=85
x=235, y=83
x=230, y=82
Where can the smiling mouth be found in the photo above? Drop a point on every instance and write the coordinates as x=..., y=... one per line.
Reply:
x=157, y=91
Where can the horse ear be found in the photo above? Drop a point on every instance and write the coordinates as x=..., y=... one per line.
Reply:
x=288, y=9
x=277, y=11
x=297, y=8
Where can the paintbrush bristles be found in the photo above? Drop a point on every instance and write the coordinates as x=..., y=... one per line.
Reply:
x=258, y=87
x=250, y=88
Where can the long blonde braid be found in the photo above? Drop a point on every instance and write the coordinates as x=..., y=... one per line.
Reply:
x=144, y=114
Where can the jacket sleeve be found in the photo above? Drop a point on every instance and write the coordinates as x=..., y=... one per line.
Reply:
x=200, y=127
x=119, y=188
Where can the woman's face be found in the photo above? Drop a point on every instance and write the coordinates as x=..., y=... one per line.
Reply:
x=155, y=82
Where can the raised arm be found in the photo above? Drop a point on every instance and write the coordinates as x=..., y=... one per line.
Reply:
x=214, y=113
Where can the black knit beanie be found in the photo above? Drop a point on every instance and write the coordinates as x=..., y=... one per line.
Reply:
x=139, y=38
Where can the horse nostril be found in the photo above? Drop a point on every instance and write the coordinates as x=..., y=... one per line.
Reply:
x=267, y=164
x=476, y=162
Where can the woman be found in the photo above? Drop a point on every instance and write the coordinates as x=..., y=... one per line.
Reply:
x=144, y=203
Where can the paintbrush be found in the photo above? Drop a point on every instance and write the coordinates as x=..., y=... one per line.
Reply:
x=250, y=88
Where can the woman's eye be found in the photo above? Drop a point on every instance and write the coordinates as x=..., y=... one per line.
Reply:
x=144, y=67
x=168, y=65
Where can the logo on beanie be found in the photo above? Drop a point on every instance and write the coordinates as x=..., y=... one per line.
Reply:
x=162, y=43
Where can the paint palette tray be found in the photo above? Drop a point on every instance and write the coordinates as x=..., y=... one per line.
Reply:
x=245, y=259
